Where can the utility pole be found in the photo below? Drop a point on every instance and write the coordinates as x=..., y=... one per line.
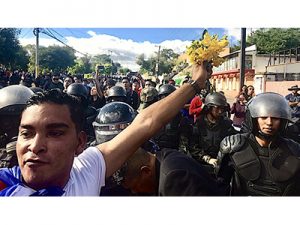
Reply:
x=157, y=63
x=242, y=68
x=36, y=32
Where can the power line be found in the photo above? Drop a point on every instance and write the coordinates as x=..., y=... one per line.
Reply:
x=50, y=34
x=24, y=35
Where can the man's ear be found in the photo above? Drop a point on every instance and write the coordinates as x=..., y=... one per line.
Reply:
x=82, y=139
x=146, y=170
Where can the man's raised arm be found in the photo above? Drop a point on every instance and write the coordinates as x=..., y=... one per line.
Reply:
x=149, y=121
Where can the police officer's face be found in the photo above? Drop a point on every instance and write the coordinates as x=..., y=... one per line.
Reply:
x=268, y=125
x=47, y=144
x=217, y=111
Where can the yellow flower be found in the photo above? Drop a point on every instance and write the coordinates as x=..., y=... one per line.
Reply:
x=207, y=49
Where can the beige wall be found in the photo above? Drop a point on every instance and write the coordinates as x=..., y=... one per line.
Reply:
x=280, y=87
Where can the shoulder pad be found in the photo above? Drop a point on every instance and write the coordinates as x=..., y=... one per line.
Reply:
x=293, y=146
x=232, y=143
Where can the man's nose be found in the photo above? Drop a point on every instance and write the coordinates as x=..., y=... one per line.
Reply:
x=37, y=144
x=269, y=120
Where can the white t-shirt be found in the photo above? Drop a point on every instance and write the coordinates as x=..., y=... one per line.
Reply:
x=86, y=178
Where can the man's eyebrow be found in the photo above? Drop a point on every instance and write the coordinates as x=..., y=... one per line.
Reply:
x=24, y=126
x=56, y=125
x=48, y=126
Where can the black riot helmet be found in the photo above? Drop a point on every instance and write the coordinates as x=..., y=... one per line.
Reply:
x=78, y=90
x=12, y=102
x=13, y=99
x=165, y=90
x=116, y=93
x=215, y=99
x=111, y=120
x=267, y=104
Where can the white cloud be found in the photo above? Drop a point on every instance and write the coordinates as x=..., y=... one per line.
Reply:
x=123, y=51
x=234, y=34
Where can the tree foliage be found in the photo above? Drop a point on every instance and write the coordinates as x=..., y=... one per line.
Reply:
x=274, y=39
x=12, y=55
x=166, y=62
x=53, y=58
x=82, y=65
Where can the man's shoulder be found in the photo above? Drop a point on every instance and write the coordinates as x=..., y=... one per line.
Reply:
x=293, y=146
x=233, y=143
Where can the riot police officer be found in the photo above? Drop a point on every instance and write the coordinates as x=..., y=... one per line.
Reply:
x=168, y=136
x=110, y=121
x=210, y=129
x=116, y=94
x=80, y=91
x=262, y=161
x=12, y=102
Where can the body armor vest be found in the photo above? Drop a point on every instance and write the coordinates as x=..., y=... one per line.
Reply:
x=8, y=155
x=210, y=137
x=265, y=171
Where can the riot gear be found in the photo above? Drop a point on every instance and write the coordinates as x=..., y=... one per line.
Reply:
x=165, y=90
x=12, y=102
x=13, y=99
x=271, y=171
x=215, y=99
x=111, y=120
x=116, y=93
x=267, y=105
x=78, y=89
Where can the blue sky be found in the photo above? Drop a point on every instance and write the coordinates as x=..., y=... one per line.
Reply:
x=153, y=35
x=124, y=44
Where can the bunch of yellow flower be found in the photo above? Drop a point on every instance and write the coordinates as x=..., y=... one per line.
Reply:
x=207, y=49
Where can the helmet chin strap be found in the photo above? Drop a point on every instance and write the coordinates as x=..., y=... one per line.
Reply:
x=265, y=136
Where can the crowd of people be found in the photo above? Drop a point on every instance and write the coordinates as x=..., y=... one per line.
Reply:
x=62, y=135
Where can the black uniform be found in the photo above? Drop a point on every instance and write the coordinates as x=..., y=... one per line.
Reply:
x=8, y=155
x=133, y=99
x=208, y=136
x=255, y=170
x=169, y=135
x=180, y=175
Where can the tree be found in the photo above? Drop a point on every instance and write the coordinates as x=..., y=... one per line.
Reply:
x=82, y=65
x=111, y=67
x=56, y=58
x=274, y=39
x=123, y=70
x=21, y=60
x=167, y=60
x=53, y=58
x=12, y=54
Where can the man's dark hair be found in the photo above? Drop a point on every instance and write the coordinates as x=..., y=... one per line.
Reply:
x=126, y=78
x=58, y=97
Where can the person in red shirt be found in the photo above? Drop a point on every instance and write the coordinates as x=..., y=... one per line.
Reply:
x=196, y=107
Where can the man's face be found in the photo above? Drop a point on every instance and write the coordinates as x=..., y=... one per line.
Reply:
x=148, y=84
x=47, y=144
x=268, y=125
x=126, y=84
x=55, y=79
x=135, y=86
x=67, y=82
x=77, y=80
x=217, y=111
